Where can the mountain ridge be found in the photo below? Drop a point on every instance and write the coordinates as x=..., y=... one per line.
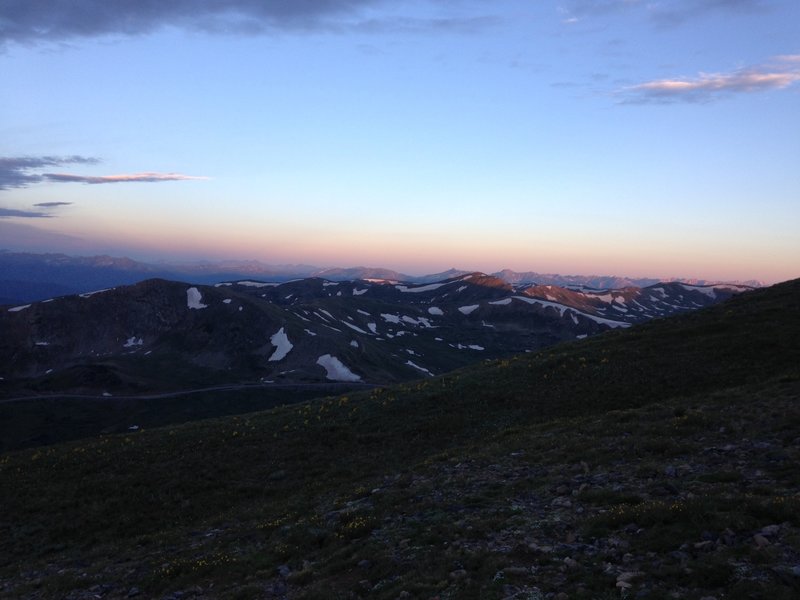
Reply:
x=26, y=276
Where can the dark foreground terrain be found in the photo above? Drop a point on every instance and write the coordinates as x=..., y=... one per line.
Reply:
x=659, y=461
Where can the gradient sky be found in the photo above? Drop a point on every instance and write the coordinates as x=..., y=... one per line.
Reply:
x=628, y=137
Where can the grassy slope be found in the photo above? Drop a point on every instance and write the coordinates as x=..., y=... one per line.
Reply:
x=229, y=500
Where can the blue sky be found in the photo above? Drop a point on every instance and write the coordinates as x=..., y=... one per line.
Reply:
x=608, y=136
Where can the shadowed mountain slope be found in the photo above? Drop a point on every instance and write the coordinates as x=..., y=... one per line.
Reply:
x=161, y=335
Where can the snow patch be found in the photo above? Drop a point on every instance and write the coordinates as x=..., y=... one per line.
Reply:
x=133, y=341
x=421, y=321
x=354, y=344
x=311, y=333
x=562, y=309
x=226, y=301
x=608, y=298
x=354, y=328
x=19, y=308
x=391, y=318
x=335, y=370
x=373, y=327
x=90, y=294
x=423, y=288
x=503, y=302
x=708, y=291
x=282, y=345
x=357, y=292
x=435, y=310
x=256, y=284
x=193, y=299
x=418, y=368
x=363, y=312
x=468, y=309
x=42, y=343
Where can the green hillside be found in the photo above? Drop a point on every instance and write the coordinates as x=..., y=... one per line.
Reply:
x=657, y=460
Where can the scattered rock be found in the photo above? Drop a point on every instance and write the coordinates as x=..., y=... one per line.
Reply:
x=760, y=540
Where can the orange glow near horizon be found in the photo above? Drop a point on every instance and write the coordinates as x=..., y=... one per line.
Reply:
x=421, y=252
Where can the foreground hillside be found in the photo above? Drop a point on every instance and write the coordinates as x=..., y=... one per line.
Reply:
x=658, y=461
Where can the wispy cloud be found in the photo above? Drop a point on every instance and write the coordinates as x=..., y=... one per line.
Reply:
x=28, y=214
x=52, y=204
x=782, y=72
x=680, y=12
x=123, y=178
x=58, y=20
x=18, y=172
x=675, y=12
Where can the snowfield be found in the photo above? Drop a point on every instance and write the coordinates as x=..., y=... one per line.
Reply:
x=194, y=298
x=335, y=370
x=468, y=309
x=282, y=345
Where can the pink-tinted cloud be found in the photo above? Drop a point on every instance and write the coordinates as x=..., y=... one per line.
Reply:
x=781, y=73
x=123, y=178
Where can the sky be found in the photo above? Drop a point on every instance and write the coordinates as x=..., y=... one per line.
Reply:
x=628, y=137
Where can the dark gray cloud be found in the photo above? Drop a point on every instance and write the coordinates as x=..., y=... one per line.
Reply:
x=26, y=21
x=52, y=204
x=19, y=172
x=12, y=212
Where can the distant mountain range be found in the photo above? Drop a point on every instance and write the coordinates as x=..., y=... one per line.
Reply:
x=162, y=335
x=28, y=277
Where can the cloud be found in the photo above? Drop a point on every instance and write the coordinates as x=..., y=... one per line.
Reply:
x=681, y=12
x=30, y=21
x=707, y=87
x=16, y=172
x=671, y=13
x=124, y=178
x=11, y=212
x=52, y=204
x=20, y=172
